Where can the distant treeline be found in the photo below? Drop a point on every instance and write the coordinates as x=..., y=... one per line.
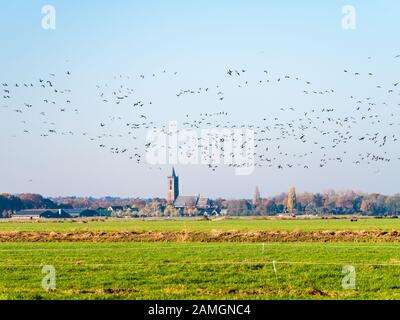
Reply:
x=331, y=202
x=10, y=202
x=105, y=202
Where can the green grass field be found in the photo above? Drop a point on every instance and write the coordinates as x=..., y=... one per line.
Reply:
x=203, y=225
x=201, y=271
x=188, y=270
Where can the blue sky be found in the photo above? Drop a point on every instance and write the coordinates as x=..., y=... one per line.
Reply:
x=97, y=40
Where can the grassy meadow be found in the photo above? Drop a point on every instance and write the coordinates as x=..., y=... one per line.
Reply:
x=191, y=270
x=245, y=224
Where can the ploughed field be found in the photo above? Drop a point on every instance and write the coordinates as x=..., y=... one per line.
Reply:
x=132, y=266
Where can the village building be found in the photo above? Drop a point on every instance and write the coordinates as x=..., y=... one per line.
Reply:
x=188, y=204
x=116, y=209
x=40, y=214
x=81, y=213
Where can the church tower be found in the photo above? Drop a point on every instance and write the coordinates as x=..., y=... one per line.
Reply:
x=291, y=200
x=256, y=197
x=173, y=187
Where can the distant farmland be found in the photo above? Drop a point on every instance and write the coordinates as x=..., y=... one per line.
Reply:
x=187, y=269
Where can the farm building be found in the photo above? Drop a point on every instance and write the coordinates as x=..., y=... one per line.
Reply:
x=116, y=208
x=79, y=213
x=40, y=214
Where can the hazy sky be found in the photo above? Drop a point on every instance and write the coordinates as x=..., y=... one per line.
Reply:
x=200, y=40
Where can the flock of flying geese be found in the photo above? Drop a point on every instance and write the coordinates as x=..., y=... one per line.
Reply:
x=322, y=135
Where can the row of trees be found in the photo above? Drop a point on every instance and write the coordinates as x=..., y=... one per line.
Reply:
x=9, y=202
x=339, y=203
x=106, y=202
x=330, y=202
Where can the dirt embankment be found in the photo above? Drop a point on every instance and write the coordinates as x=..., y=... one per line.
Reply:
x=213, y=236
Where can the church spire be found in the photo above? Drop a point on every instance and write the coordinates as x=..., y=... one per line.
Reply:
x=173, y=172
x=256, y=197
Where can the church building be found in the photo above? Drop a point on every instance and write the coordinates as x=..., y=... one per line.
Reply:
x=185, y=203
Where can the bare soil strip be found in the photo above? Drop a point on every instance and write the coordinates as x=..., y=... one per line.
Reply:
x=193, y=236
